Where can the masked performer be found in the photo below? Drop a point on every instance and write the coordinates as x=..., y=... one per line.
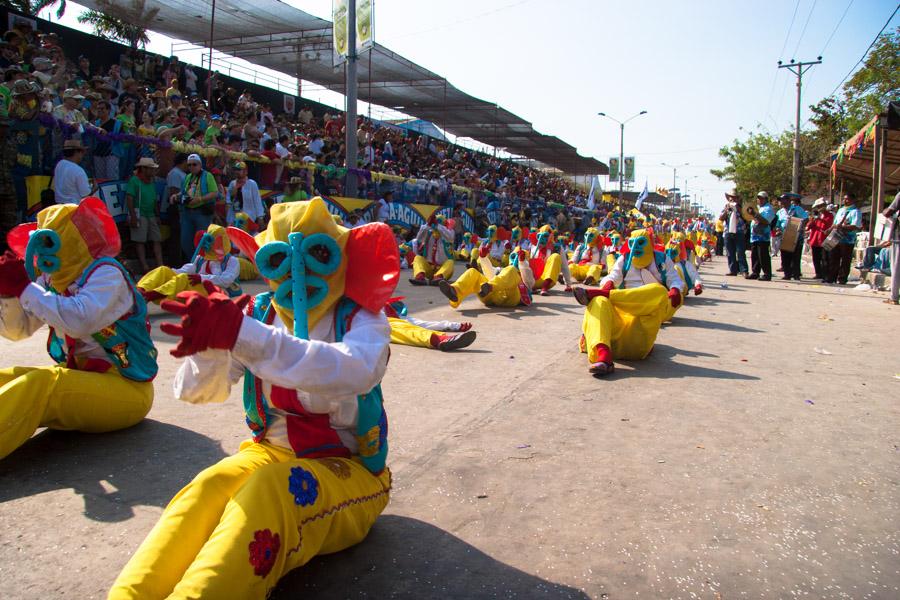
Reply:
x=677, y=250
x=434, y=260
x=467, y=245
x=624, y=315
x=508, y=287
x=497, y=244
x=587, y=262
x=545, y=261
x=212, y=262
x=407, y=330
x=312, y=354
x=248, y=270
x=61, y=272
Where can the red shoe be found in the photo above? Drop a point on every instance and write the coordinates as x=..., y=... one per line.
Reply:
x=447, y=343
x=604, y=364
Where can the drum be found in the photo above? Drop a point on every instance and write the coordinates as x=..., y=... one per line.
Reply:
x=791, y=234
x=832, y=240
x=749, y=209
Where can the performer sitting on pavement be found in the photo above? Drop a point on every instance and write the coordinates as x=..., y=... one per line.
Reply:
x=545, y=262
x=497, y=242
x=61, y=273
x=680, y=251
x=587, y=262
x=439, y=335
x=312, y=354
x=465, y=250
x=508, y=286
x=212, y=262
x=624, y=315
x=434, y=260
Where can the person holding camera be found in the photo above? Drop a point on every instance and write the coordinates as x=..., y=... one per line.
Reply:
x=197, y=199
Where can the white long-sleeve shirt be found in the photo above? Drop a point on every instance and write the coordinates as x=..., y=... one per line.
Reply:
x=636, y=277
x=433, y=247
x=592, y=255
x=251, y=201
x=327, y=375
x=105, y=298
x=212, y=272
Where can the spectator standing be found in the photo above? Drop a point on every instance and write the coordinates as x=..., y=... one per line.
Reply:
x=384, y=209
x=817, y=228
x=720, y=237
x=197, y=197
x=106, y=164
x=243, y=196
x=760, y=237
x=294, y=191
x=891, y=212
x=735, y=240
x=142, y=203
x=190, y=80
x=268, y=170
x=70, y=181
x=848, y=221
x=68, y=112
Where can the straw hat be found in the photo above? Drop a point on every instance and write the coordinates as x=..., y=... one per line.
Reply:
x=73, y=144
x=146, y=162
x=23, y=86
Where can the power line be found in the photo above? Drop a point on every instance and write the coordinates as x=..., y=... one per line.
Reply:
x=781, y=55
x=849, y=4
x=803, y=31
x=866, y=53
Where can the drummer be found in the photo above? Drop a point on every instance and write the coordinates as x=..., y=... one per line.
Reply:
x=791, y=207
x=760, y=237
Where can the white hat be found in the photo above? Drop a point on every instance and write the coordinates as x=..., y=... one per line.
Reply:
x=819, y=202
x=763, y=194
x=194, y=158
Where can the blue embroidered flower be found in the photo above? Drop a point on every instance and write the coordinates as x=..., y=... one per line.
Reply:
x=304, y=486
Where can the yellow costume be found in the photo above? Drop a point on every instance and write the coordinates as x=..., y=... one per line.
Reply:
x=434, y=260
x=545, y=263
x=98, y=332
x=588, y=261
x=313, y=480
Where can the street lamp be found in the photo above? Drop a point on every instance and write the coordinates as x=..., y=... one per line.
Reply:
x=622, y=147
x=674, y=175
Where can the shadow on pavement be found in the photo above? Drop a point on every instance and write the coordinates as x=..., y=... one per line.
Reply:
x=143, y=465
x=701, y=324
x=708, y=301
x=408, y=558
x=660, y=365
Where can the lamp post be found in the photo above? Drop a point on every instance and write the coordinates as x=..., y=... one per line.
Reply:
x=674, y=176
x=622, y=147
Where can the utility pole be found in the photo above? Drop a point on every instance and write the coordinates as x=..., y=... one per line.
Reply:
x=351, y=145
x=675, y=189
x=798, y=69
x=622, y=148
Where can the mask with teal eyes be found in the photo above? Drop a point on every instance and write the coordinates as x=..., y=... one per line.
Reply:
x=300, y=262
x=203, y=246
x=637, y=246
x=672, y=253
x=43, y=247
x=543, y=238
x=240, y=223
x=516, y=234
x=492, y=233
x=640, y=251
x=589, y=237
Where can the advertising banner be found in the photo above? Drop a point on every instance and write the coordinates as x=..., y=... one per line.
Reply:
x=339, y=31
x=629, y=169
x=365, y=37
x=613, y=168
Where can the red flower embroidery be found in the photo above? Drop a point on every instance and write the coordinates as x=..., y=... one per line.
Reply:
x=263, y=550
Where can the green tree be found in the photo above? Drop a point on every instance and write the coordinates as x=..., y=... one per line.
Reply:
x=33, y=7
x=113, y=28
x=876, y=83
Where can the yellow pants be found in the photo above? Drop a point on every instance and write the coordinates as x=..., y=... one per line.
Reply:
x=627, y=322
x=168, y=283
x=407, y=334
x=247, y=520
x=505, y=287
x=61, y=398
x=610, y=262
x=582, y=272
x=552, y=268
x=248, y=270
x=420, y=265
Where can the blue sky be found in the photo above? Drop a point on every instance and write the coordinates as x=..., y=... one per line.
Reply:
x=703, y=69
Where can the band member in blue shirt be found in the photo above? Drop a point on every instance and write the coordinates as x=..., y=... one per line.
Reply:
x=760, y=238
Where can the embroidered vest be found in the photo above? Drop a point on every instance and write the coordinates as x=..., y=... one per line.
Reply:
x=126, y=342
x=311, y=434
x=234, y=290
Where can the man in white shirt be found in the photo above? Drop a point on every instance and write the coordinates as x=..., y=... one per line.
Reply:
x=384, y=210
x=70, y=181
x=316, y=145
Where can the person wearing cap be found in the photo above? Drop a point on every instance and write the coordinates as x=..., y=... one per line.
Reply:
x=848, y=221
x=790, y=257
x=294, y=191
x=212, y=130
x=243, y=196
x=142, y=204
x=70, y=181
x=816, y=230
x=197, y=199
x=68, y=112
x=735, y=244
x=760, y=238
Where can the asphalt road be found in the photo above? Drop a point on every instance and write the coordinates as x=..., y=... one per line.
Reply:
x=755, y=453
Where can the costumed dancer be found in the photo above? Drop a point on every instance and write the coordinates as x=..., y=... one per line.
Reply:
x=467, y=245
x=498, y=247
x=212, y=262
x=587, y=262
x=248, y=270
x=518, y=239
x=677, y=250
x=434, y=260
x=312, y=353
x=507, y=287
x=62, y=272
x=624, y=315
x=613, y=243
x=407, y=330
x=545, y=261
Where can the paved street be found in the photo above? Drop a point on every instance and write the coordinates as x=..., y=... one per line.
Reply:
x=755, y=453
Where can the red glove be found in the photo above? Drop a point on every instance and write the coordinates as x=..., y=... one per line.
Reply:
x=194, y=278
x=675, y=297
x=465, y=326
x=605, y=289
x=523, y=255
x=13, y=276
x=206, y=322
x=432, y=219
x=484, y=251
x=698, y=289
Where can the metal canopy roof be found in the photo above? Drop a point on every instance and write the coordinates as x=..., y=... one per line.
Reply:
x=275, y=35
